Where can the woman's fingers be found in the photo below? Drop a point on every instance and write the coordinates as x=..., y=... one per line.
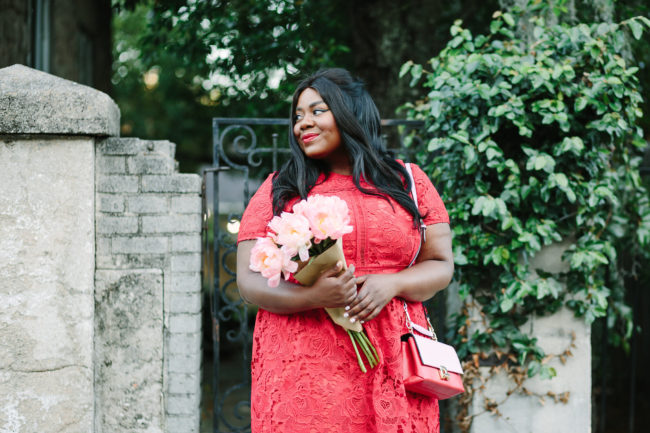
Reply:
x=359, y=294
x=375, y=292
x=361, y=301
x=336, y=290
x=333, y=271
x=373, y=313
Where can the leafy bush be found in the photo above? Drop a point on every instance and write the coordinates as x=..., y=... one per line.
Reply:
x=532, y=143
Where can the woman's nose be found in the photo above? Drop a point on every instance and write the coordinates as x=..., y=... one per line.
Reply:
x=307, y=121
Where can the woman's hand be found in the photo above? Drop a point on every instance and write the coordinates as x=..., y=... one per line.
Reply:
x=330, y=291
x=431, y=273
x=375, y=291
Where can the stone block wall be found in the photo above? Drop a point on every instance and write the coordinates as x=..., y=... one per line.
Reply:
x=148, y=224
x=129, y=351
x=100, y=245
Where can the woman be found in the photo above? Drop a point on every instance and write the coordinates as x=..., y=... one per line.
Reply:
x=305, y=377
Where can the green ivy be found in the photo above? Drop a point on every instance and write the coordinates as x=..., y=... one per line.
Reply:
x=532, y=143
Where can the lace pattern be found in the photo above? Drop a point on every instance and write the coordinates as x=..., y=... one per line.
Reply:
x=304, y=372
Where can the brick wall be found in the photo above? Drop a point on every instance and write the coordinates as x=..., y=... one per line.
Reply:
x=148, y=217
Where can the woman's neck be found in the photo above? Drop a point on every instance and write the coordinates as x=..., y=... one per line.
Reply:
x=340, y=164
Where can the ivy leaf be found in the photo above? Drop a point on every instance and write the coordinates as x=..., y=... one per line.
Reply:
x=509, y=20
x=580, y=104
x=636, y=28
x=561, y=180
x=461, y=136
x=459, y=257
x=495, y=26
x=531, y=240
x=405, y=68
x=547, y=372
x=534, y=367
x=644, y=20
x=470, y=156
x=506, y=304
x=416, y=73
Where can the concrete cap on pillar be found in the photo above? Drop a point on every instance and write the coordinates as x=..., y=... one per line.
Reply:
x=35, y=102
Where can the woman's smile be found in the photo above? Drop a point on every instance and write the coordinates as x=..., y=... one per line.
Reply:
x=310, y=136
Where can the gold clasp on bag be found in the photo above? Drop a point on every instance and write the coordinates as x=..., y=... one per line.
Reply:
x=444, y=374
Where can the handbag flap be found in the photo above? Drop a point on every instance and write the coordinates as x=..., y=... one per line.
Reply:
x=436, y=354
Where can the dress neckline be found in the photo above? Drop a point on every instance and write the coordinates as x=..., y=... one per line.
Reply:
x=334, y=176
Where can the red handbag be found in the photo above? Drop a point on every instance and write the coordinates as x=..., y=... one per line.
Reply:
x=430, y=367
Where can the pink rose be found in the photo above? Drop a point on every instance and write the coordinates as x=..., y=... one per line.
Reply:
x=328, y=216
x=271, y=261
x=292, y=232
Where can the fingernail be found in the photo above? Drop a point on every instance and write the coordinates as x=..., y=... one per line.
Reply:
x=345, y=314
x=353, y=320
x=347, y=307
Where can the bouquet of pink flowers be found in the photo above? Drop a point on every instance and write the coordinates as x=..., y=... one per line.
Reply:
x=312, y=235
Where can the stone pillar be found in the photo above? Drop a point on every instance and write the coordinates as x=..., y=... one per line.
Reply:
x=47, y=249
x=560, y=404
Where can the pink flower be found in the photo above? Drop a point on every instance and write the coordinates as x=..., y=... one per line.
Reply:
x=292, y=232
x=271, y=261
x=328, y=216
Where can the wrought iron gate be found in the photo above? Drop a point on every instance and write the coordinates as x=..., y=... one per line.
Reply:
x=241, y=161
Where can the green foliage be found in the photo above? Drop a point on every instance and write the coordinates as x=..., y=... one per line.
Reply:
x=532, y=143
x=248, y=47
x=174, y=105
x=215, y=59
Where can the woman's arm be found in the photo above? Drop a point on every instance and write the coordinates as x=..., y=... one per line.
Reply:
x=328, y=291
x=431, y=273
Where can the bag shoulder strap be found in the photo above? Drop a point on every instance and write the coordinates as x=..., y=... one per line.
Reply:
x=414, y=194
x=409, y=323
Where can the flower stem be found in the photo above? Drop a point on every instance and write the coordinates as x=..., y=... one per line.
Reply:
x=361, y=366
x=363, y=342
x=372, y=347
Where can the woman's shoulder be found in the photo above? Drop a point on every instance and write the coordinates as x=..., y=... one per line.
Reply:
x=415, y=169
x=264, y=194
x=267, y=184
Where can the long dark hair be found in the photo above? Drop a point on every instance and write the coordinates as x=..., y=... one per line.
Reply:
x=358, y=121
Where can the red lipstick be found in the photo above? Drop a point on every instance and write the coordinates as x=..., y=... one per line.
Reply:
x=306, y=138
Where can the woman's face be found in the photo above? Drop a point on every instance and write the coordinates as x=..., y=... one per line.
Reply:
x=316, y=131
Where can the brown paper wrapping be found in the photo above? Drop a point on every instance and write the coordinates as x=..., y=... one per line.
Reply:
x=310, y=273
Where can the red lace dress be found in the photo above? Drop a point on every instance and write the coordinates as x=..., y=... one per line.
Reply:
x=305, y=377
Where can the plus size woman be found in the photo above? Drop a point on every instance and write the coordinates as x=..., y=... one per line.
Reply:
x=305, y=377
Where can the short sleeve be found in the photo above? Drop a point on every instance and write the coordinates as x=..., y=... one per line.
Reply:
x=429, y=201
x=258, y=213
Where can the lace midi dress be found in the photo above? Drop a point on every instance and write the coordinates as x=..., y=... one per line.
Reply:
x=305, y=377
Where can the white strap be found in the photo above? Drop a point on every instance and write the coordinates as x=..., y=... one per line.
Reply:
x=409, y=323
x=414, y=192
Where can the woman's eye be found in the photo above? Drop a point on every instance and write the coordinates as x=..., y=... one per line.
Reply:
x=319, y=111
x=297, y=117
